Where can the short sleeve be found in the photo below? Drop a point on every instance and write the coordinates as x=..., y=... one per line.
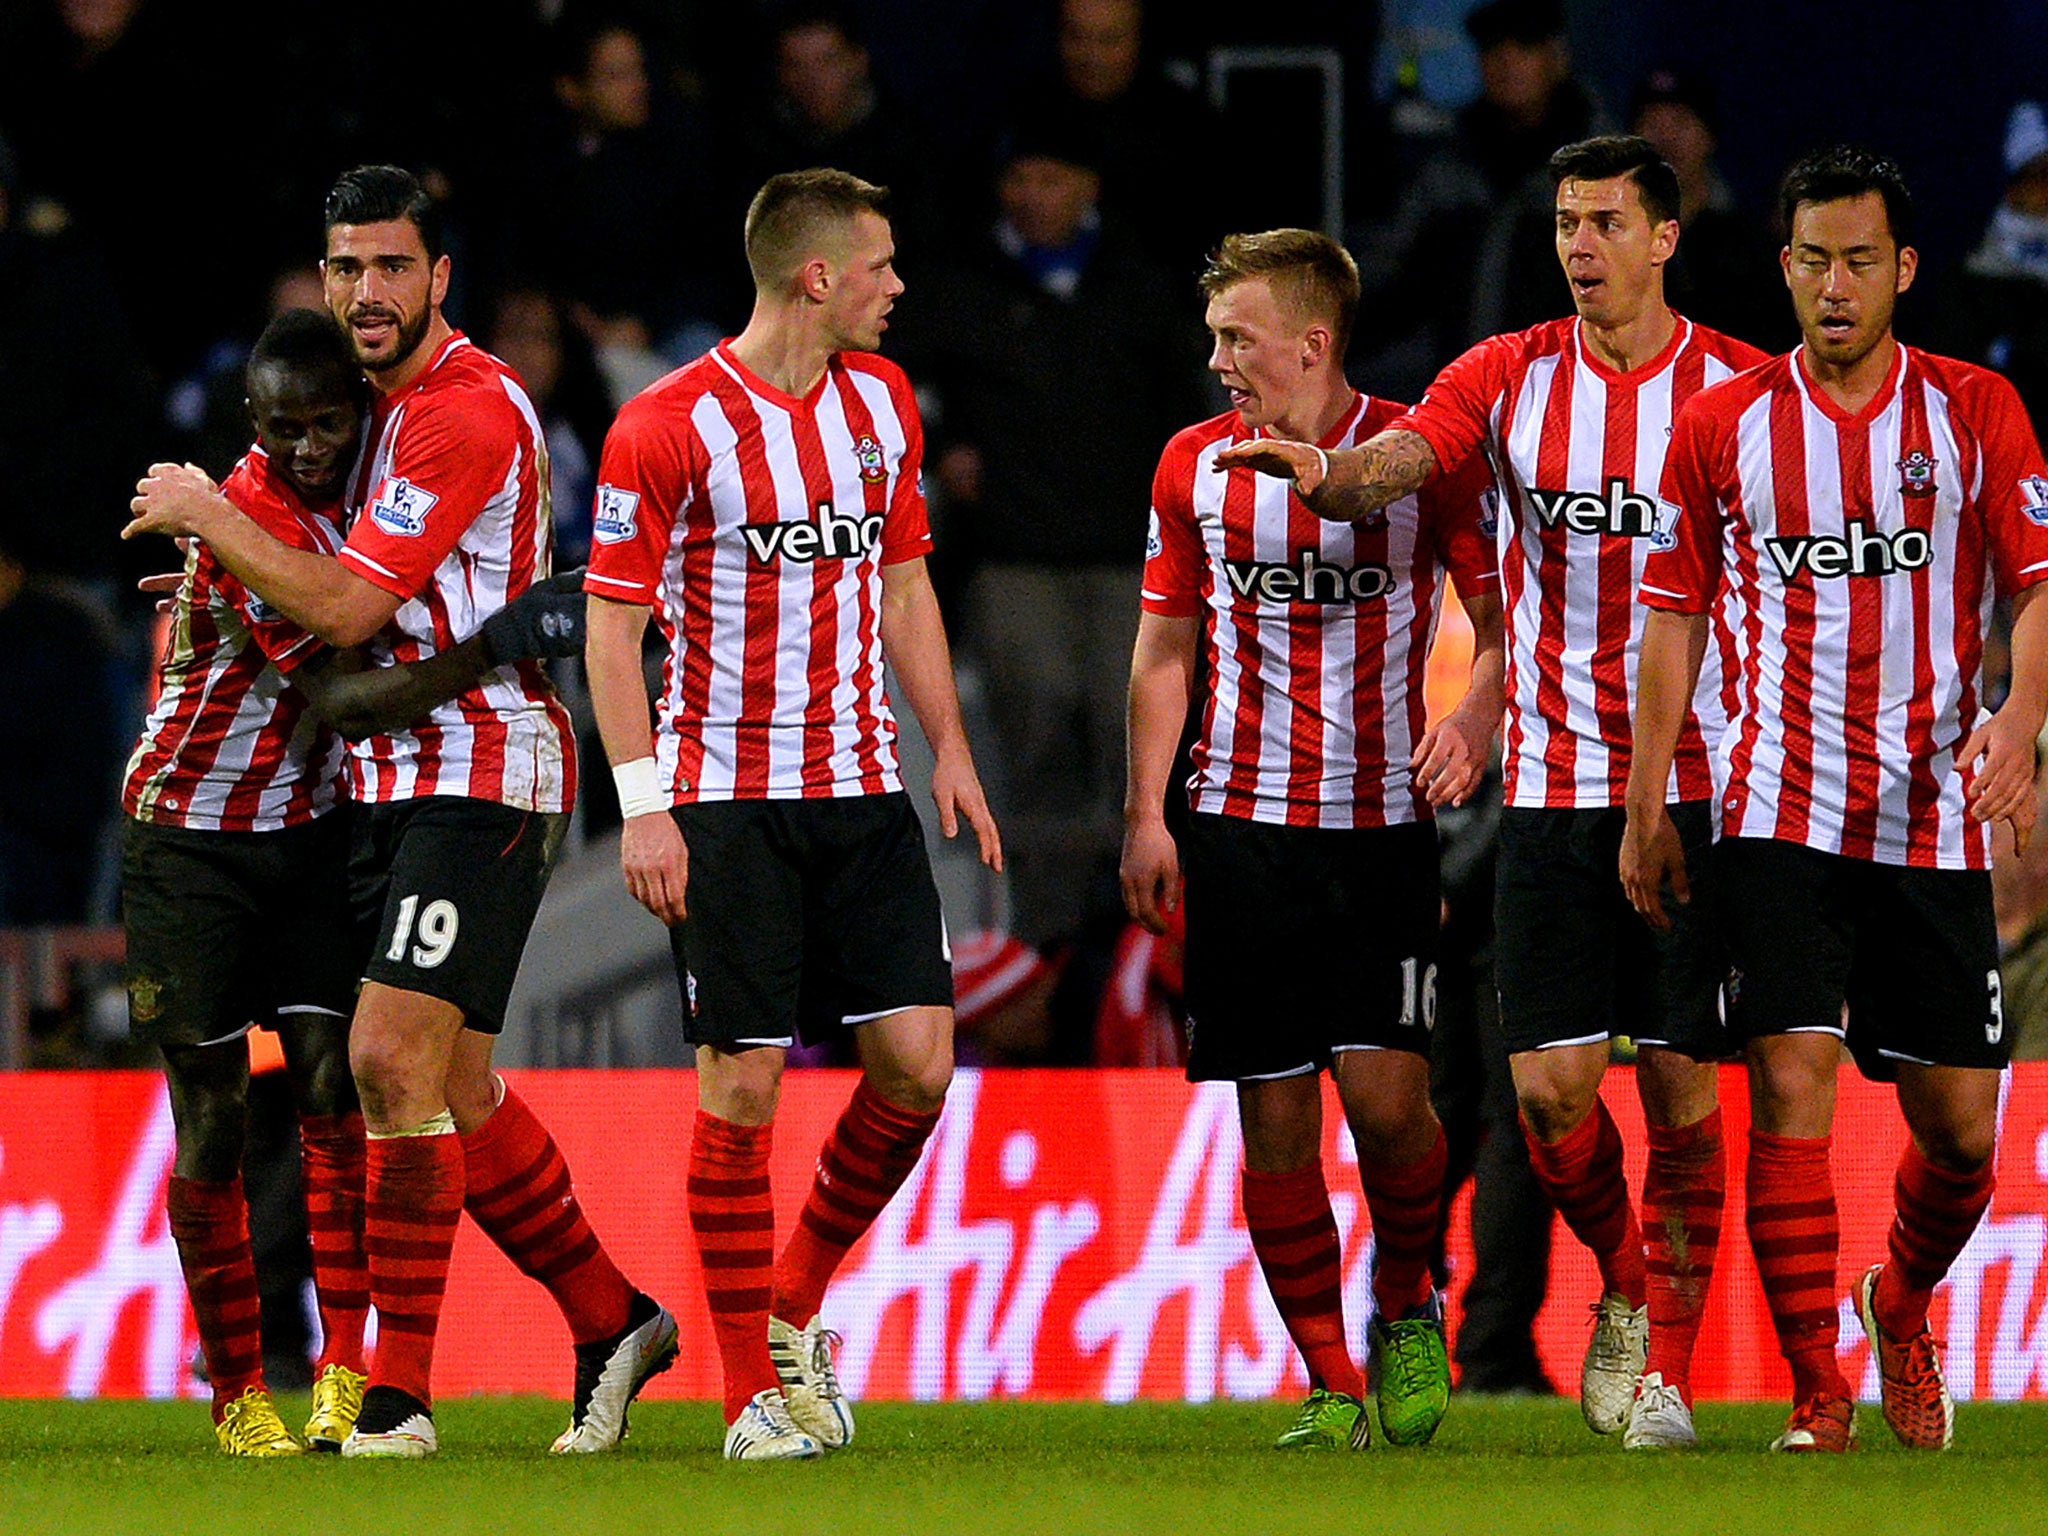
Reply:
x=283, y=643
x=1174, y=560
x=1683, y=571
x=1456, y=413
x=906, y=527
x=1453, y=509
x=2013, y=488
x=644, y=483
x=453, y=454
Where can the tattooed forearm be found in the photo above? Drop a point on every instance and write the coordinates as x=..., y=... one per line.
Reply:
x=1380, y=470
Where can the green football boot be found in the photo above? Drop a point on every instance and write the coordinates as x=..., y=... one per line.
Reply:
x=1328, y=1421
x=1413, y=1373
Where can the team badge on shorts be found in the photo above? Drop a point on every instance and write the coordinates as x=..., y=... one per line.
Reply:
x=1916, y=473
x=145, y=998
x=401, y=508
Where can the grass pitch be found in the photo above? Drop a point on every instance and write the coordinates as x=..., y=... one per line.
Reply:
x=1496, y=1467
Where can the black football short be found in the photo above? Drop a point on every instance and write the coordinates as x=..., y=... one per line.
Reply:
x=226, y=929
x=806, y=917
x=1912, y=952
x=1306, y=941
x=1576, y=964
x=445, y=889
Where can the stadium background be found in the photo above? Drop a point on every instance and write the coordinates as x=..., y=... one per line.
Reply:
x=1073, y=1232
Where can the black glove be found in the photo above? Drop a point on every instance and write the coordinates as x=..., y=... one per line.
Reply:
x=544, y=620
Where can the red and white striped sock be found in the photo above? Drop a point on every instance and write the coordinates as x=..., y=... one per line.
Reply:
x=1583, y=1175
x=413, y=1205
x=861, y=1166
x=210, y=1224
x=1936, y=1213
x=519, y=1192
x=332, y=1166
x=1295, y=1238
x=1684, y=1191
x=732, y=1213
x=1789, y=1194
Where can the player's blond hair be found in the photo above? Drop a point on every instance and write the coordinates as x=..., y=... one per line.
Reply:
x=1308, y=272
x=796, y=212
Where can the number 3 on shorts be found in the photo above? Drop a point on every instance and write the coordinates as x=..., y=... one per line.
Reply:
x=1994, y=1027
x=438, y=925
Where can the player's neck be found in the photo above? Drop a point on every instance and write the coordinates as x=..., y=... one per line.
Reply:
x=389, y=381
x=779, y=349
x=1632, y=343
x=1852, y=386
x=1315, y=416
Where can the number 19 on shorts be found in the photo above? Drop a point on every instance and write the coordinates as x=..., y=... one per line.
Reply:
x=438, y=924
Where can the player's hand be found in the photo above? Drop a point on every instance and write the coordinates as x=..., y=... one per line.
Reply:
x=547, y=619
x=656, y=864
x=1450, y=760
x=1150, y=873
x=1999, y=759
x=173, y=499
x=1280, y=457
x=1651, y=857
x=164, y=585
x=956, y=791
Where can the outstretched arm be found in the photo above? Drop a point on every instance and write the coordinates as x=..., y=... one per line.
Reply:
x=316, y=592
x=914, y=641
x=1162, y=679
x=1345, y=485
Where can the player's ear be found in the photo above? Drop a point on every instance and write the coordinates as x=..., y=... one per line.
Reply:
x=814, y=279
x=1785, y=264
x=1663, y=241
x=1909, y=264
x=1315, y=345
x=437, y=288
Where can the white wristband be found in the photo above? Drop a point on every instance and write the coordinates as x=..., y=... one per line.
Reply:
x=1323, y=459
x=639, y=786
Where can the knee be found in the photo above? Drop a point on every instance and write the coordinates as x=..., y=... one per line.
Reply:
x=1675, y=1089
x=472, y=1096
x=323, y=1084
x=743, y=1087
x=211, y=1121
x=387, y=1071
x=1957, y=1148
x=1551, y=1109
x=920, y=1088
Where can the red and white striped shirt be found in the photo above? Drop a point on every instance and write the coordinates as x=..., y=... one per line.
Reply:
x=1316, y=633
x=756, y=524
x=451, y=514
x=231, y=745
x=1578, y=451
x=1859, y=556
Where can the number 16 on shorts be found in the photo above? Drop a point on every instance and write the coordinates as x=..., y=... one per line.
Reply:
x=438, y=923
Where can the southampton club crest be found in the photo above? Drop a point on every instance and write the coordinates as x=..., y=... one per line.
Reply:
x=874, y=466
x=1916, y=473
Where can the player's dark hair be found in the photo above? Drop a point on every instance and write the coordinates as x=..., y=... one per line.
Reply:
x=1621, y=154
x=787, y=215
x=303, y=340
x=377, y=194
x=1844, y=171
x=1304, y=267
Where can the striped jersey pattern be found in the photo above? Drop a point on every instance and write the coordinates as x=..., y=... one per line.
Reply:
x=1858, y=556
x=231, y=745
x=451, y=515
x=756, y=525
x=1316, y=633
x=1578, y=451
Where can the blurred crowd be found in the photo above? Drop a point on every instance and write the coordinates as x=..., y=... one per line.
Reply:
x=1058, y=170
